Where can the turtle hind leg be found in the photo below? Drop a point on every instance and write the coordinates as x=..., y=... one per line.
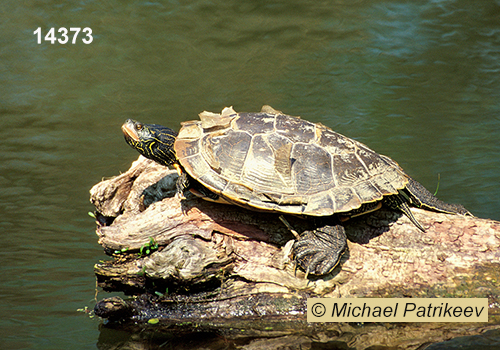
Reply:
x=318, y=251
x=421, y=197
x=400, y=202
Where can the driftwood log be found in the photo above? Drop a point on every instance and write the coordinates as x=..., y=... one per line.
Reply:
x=192, y=264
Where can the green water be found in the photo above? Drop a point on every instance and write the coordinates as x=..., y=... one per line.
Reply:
x=418, y=81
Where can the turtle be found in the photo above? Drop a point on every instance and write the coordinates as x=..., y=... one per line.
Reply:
x=270, y=161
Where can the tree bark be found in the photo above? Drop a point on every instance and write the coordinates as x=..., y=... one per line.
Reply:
x=198, y=261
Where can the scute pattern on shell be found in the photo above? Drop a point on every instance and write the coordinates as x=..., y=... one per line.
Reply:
x=275, y=162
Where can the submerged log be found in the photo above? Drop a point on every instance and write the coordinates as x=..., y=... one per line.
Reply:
x=199, y=261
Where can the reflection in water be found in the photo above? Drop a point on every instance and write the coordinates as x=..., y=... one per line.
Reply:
x=415, y=81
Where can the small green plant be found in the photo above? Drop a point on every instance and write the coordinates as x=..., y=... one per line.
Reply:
x=142, y=273
x=437, y=187
x=87, y=311
x=160, y=294
x=121, y=251
x=148, y=248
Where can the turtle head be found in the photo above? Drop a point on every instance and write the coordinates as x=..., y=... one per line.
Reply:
x=153, y=141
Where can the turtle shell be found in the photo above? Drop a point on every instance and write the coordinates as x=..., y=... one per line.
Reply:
x=275, y=162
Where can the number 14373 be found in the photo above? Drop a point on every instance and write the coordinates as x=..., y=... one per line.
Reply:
x=64, y=35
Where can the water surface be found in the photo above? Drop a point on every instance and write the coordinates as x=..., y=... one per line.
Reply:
x=417, y=81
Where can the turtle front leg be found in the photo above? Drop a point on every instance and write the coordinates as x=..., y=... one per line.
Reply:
x=319, y=251
x=186, y=182
x=183, y=183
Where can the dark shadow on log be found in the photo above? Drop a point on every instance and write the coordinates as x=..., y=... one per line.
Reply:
x=213, y=267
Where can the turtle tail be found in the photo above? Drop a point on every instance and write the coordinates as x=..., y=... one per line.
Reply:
x=421, y=197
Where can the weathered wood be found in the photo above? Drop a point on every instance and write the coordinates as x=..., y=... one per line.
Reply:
x=389, y=255
x=210, y=253
x=291, y=333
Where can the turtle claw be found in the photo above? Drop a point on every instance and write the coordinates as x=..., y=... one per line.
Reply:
x=180, y=196
x=319, y=251
x=182, y=184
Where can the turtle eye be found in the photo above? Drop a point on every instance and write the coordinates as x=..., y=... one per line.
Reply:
x=138, y=126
